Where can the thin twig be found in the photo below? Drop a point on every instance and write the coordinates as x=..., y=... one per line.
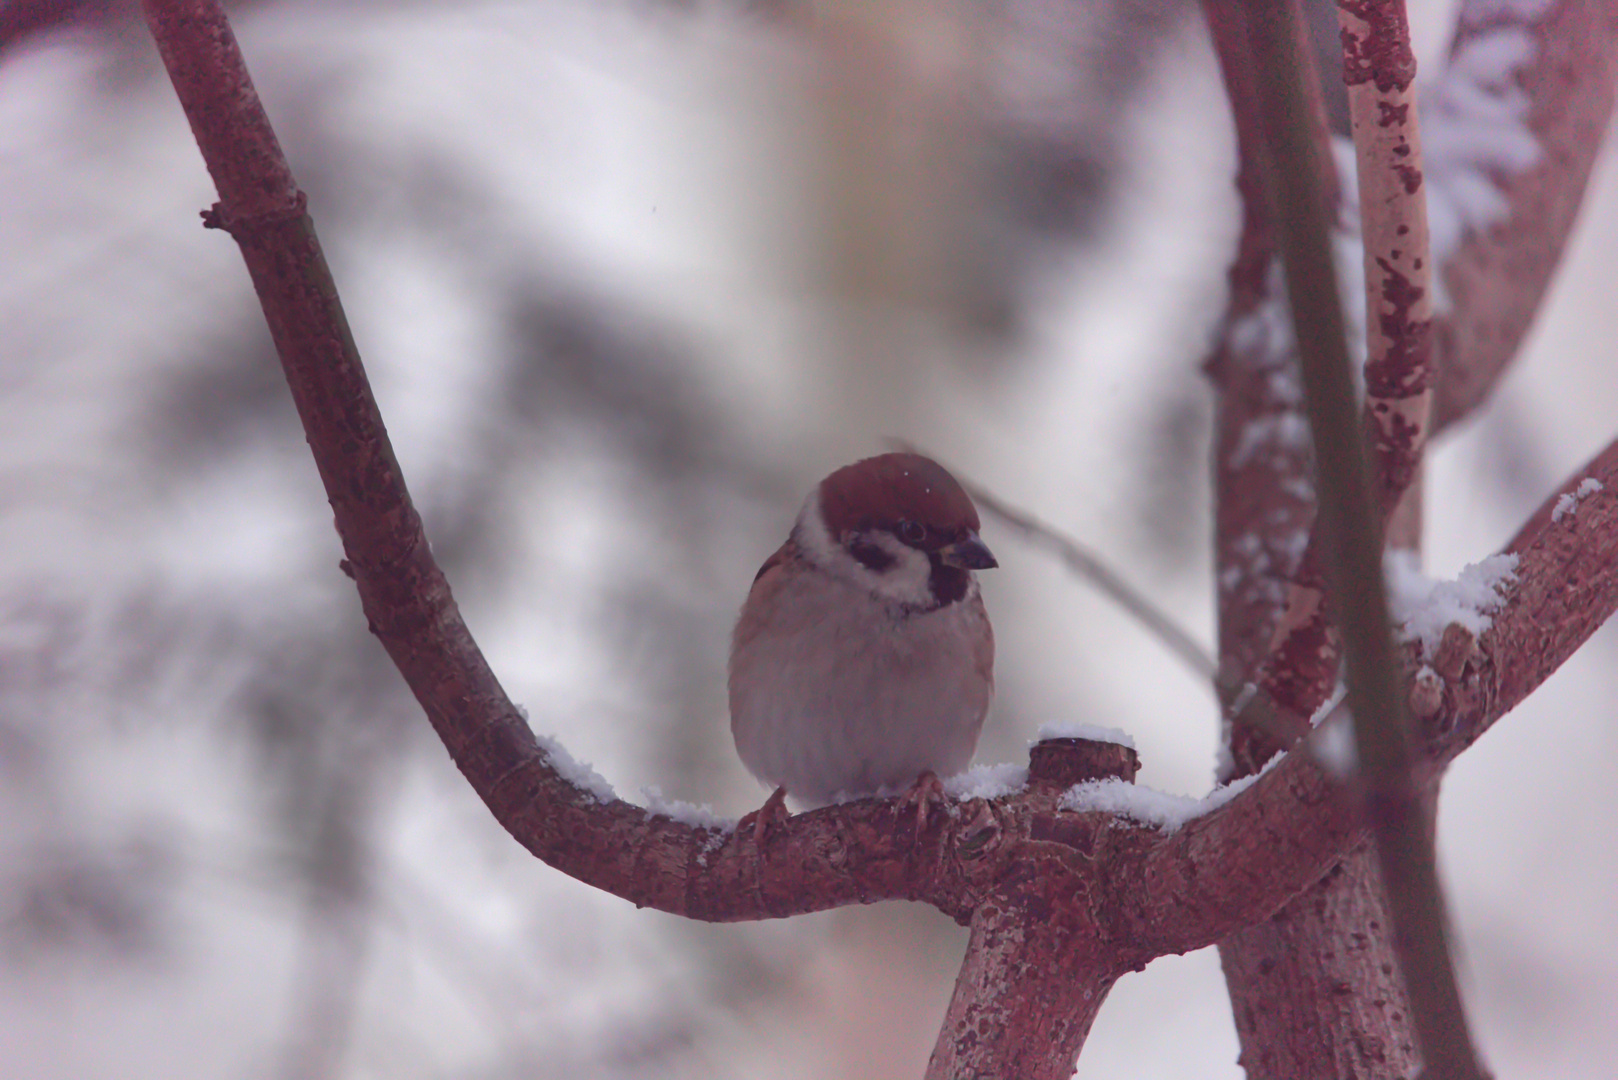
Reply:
x=1245, y=703
x=1092, y=569
x=1088, y=565
x=1352, y=542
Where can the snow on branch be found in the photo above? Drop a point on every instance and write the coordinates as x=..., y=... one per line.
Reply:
x=1143, y=892
x=1424, y=608
x=1479, y=137
x=1513, y=126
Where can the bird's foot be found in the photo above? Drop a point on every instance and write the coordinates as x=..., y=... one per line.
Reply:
x=922, y=796
x=773, y=813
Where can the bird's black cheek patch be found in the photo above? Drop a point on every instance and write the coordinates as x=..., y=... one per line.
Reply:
x=870, y=556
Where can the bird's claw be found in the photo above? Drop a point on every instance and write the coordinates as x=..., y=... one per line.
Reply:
x=922, y=796
x=773, y=813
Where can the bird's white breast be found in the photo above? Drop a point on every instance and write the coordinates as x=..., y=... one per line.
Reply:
x=833, y=691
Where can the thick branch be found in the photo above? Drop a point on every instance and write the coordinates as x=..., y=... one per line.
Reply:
x=1567, y=588
x=1030, y=987
x=1264, y=502
x=1039, y=962
x=1516, y=122
x=1286, y=974
x=1145, y=894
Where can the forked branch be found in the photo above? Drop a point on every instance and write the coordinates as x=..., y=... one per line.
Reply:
x=1138, y=892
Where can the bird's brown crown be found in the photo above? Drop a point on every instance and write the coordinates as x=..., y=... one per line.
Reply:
x=882, y=491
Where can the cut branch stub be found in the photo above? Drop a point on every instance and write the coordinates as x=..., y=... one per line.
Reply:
x=1061, y=763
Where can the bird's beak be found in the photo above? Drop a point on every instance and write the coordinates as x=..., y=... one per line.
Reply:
x=968, y=553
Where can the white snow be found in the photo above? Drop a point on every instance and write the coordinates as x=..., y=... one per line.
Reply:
x=1324, y=712
x=1569, y=502
x=1422, y=607
x=1150, y=807
x=1266, y=331
x=986, y=781
x=1332, y=744
x=1287, y=429
x=975, y=782
x=697, y=816
x=1475, y=133
x=1061, y=729
x=576, y=772
x=1301, y=488
x=1478, y=12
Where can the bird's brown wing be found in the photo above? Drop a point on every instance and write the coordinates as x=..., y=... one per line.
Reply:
x=786, y=553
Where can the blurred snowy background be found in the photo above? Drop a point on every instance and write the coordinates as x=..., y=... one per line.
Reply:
x=629, y=277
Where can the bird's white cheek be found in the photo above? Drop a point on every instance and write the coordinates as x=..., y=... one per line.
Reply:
x=908, y=581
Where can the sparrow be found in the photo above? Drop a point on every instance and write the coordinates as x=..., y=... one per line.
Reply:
x=863, y=658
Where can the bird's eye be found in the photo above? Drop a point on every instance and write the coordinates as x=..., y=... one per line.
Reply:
x=911, y=533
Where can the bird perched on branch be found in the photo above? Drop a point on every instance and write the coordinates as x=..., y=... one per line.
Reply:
x=863, y=659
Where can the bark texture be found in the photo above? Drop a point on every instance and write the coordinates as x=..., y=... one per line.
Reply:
x=1498, y=277
x=1061, y=902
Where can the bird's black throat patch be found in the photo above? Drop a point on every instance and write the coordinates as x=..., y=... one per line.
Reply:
x=948, y=583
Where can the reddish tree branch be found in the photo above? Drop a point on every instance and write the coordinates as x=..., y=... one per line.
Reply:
x=1351, y=515
x=1567, y=587
x=1565, y=77
x=1264, y=502
x=1036, y=973
x=1518, y=115
x=1118, y=890
x=1287, y=974
x=1526, y=133
x=1379, y=71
